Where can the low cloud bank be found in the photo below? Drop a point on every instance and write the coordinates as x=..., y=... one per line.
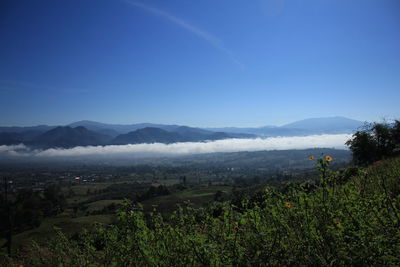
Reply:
x=16, y=150
x=187, y=148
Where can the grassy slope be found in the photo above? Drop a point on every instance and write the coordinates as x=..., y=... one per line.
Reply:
x=351, y=220
x=70, y=225
x=197, y=196
x=99, y=205
x=63, y=222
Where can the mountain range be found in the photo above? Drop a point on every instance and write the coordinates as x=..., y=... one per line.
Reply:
x=70, y=136
x=329, y=125
x=84, y=133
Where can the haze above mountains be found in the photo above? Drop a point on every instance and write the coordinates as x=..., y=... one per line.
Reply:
x=90, y=133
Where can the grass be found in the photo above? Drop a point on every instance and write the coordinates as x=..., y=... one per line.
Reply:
x=99, y=205
x=63, y=222
x=197, y=196
x=83, y=188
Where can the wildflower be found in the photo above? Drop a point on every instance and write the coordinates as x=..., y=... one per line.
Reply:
x=288, y=204
x=311, y=158
x=328, y=158
x=338, y=224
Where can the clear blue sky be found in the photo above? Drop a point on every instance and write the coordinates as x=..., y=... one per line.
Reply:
x=198, y=63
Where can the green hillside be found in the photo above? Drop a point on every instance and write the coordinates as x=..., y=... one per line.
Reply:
x=348, y=218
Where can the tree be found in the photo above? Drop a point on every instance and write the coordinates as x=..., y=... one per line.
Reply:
x=219, y=196
x=396, y=136
x=377, y=141
x=363, y=147
x=56, y=198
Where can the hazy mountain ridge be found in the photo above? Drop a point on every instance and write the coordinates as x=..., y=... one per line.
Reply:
x=332, y=124
x=147, y=135
x=329, y=125
x=19, y=129
x=84, y=133
x=120, y=128
x=67, y=137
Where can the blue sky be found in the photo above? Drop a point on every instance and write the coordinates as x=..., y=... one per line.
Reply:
x=198, y=63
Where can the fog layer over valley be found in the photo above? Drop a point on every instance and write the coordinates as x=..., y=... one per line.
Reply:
x=180, y=148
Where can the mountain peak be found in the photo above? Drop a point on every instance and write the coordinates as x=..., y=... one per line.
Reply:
x=326, y=124
x=66, y=137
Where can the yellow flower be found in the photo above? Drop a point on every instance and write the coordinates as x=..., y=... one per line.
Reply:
x=288, y=204
x=328, y=158
x=311, y=158
x=338, y=224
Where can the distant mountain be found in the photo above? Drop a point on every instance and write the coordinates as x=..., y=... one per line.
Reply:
x=192, y=132
x=179, y=134
x=147, y=135
x=248, y=130
x=95, y=133
x=330, y=125
x=115, y=129
x=326, y=125
x=19, y=129
x=197, y=134
x=13, y=138
x=101, y=134
x=132, y=134
x=10, y=138
x=67, y=137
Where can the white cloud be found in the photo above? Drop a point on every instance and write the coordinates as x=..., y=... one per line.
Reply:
x=187, y=148
x=4, y=148
x=14, y=150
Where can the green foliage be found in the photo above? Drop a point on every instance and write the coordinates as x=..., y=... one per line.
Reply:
x=350, y=219
x=377, y=141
